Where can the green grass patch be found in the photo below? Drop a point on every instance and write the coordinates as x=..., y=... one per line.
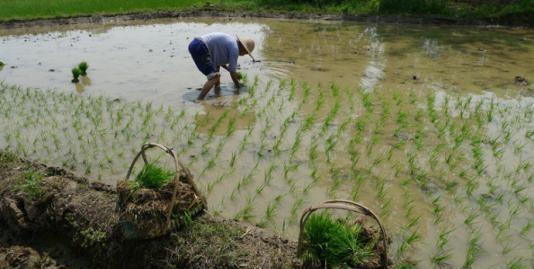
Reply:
x=7, y=157
x=31, y=184
x=152, y=177
x=32, y=9
x=333, y=242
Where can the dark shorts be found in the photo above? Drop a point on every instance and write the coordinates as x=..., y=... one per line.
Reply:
x=201, y=55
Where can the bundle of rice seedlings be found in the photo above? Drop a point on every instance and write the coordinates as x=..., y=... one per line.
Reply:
x=152, y=177
x=333, y=243
x=76, y=72
x=83, y=66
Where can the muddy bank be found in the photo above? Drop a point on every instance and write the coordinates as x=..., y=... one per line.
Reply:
x=521, y=20
x=62, y=221
x=64, y=210
x=25, y=257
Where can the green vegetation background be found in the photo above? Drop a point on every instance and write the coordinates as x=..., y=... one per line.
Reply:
x=30, y=9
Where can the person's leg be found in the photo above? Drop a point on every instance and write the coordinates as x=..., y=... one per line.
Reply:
x=202, y=59
x=208, y=85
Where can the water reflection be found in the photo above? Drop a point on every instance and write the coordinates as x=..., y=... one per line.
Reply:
x=146, y=60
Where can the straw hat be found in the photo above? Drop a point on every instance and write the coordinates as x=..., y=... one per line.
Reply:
x=248, y=44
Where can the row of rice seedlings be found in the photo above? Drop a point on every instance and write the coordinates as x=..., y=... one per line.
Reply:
x=477, y=152
x=96, y=111
x=463, y=131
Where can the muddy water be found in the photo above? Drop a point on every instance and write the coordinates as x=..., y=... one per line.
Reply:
x=412, y=105
x=149, y=61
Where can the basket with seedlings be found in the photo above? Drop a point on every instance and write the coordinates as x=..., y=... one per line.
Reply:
x=157, y=201
x=328, y=241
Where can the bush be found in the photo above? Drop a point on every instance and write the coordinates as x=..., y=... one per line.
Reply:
x=333, y=242
x=318, y=3
x=153, y=177
x=412, y=6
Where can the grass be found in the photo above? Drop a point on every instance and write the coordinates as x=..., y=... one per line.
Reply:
x=31, y=184
x=333, y=242
x=31, y=9
x=153, y=177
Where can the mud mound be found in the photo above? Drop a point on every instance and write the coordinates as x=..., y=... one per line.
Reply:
x=18, y=257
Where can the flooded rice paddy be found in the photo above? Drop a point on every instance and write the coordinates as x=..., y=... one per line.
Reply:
x=431, y=127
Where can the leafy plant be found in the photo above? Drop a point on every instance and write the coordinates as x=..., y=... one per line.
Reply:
x=333, y=242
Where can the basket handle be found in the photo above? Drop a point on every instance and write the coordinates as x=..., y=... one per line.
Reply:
x=179, y=167
x=350, y=206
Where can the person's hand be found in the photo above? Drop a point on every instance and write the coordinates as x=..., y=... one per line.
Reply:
x=238, y=75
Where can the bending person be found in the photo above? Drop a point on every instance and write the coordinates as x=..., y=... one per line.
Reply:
x=215, y=50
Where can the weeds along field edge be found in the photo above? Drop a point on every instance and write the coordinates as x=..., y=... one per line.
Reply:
x=450, y=175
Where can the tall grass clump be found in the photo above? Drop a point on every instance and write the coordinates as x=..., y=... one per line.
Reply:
x=152, y=177
x=412, y=6
x=333, y=242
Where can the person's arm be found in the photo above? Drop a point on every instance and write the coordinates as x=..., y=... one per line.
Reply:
x=236, y=76
x=232, y=66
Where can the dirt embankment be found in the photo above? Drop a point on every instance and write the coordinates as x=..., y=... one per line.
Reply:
x=50, y=218
x=62, y=221
x=523, y=20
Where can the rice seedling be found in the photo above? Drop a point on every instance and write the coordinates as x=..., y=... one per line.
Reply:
x=367, y=102
x=332, y=243
x=272, y=208
x=152, y=176
x=83, y=66
x=76, y=72
x=246, y=212
x=473, y=250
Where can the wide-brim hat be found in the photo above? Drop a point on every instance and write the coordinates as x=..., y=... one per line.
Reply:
x=248, y=44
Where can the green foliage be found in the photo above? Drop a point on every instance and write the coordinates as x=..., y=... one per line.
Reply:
x=2, y=64
x=333, y=242
x=83, y=66
x=91, y=237
x=31, y=9
x=412, y=6
x=31, y=184
x=152, y=177
x=7, y=156
x=76, y=72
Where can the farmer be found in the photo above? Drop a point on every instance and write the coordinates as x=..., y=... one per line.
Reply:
x=215, y=50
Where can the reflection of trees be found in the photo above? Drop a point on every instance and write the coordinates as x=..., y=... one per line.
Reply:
x=459, y=38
